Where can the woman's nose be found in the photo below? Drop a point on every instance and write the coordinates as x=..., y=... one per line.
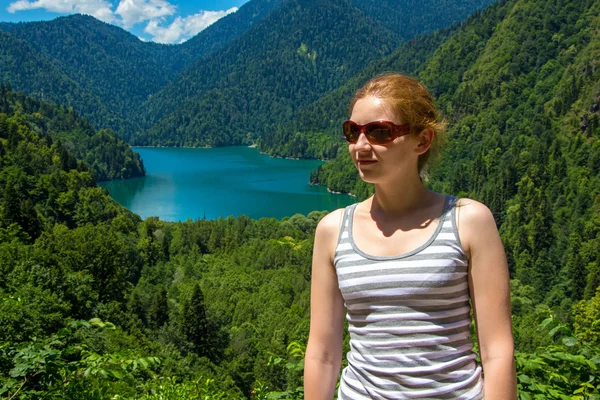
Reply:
x=362, y=142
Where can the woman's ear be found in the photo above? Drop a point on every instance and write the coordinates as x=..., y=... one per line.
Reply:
x=424, y=140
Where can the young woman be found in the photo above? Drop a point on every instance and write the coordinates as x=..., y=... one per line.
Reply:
x=406, y=265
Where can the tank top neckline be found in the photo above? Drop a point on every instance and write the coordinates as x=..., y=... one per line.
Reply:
x=448, y=201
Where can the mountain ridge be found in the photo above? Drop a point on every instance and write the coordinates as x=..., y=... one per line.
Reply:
x=138, y=72
x=135, y=69
x=293, y=53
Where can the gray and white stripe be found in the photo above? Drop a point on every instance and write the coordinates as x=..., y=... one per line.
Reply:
x=409, y=318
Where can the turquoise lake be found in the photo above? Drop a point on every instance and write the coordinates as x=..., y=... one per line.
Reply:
x=211, y=183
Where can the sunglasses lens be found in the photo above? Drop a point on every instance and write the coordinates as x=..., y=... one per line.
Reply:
x=378, y=133
x=351, y=131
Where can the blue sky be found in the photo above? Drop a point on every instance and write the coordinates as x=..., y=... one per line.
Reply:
x=164, y=21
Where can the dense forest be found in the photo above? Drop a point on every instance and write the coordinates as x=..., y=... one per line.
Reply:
x=314, y=131
x=291, y=59
x=295, y=55
x=104, y=71
x=218, y=301
x=104, y=154
x=258, y=65
x=96, y=303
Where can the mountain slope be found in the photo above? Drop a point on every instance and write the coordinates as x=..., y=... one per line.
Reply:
x=315, y=130
x=37, y=74
x=227, y=29
x=102, y=70
x=410, y=18
x=287, y=61
x=104, y=59
x=105, y=155
x=294, y=55
x=120, y=82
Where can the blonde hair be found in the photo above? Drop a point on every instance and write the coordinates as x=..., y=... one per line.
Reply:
x=409, y=100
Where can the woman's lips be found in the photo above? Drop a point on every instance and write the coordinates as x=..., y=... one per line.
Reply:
x=366, y=162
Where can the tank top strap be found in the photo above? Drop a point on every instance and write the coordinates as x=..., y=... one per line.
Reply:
x=448, y=222
x=452, y=202
x=344, y=228
x=449, y=205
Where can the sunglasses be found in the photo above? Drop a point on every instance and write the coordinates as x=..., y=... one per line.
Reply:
x=376, y=132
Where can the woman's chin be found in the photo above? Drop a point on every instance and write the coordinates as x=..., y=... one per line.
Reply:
x=368, y=176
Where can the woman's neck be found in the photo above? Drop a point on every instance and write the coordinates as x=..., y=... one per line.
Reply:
x=397, y=198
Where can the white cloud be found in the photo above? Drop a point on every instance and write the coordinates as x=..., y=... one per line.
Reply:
x=100, y=9
x=136, y=11
x=182, y=29
x=132, y=12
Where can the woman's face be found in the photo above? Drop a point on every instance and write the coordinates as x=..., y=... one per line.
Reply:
x=382, y=163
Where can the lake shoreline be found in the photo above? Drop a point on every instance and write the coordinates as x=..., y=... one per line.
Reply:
x=255, y=146
x=250, y=146
x=182, y=184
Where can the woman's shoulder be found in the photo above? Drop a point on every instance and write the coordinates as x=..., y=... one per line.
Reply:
x=327, y=233
x=330, y=224
x=475, y=223
x=473, y=212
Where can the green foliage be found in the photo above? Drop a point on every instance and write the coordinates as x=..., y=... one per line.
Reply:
x=203, y=389
x=193, y=323
x=90, y=258
x=159, y=310
x=566, y=370
x=41, y=182
x=103, y=71
x=587, y=319
x=30, y=311
x=294, y=367
x=72, y=137
x=61, y=367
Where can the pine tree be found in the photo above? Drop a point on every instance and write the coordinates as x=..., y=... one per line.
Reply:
x=193, y=323
x=159, y=310
x=11, y=205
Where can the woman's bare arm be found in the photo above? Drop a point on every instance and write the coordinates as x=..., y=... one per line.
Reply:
x=324, y=350
x=490, y=295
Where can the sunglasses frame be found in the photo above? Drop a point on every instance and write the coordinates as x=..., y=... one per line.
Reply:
x=397, y=131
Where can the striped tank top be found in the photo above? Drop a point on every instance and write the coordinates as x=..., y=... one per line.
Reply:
x=409, y=318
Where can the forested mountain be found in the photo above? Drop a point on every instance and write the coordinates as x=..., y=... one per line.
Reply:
x=120, y=82
x=291, y=58
x=102, y=152
x=314, y=132
x=26, y=69
x=294, y=55
x=104, y=71
x=227, y=29
x=106, y=61
x=411, y=18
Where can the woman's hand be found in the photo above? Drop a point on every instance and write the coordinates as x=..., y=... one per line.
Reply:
x=324, y=350
x=490, y=296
